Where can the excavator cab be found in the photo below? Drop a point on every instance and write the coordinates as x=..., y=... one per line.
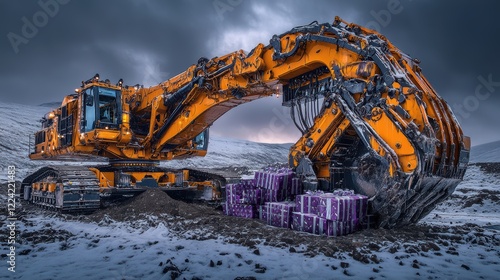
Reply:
x=102, y=109
x=201, y=140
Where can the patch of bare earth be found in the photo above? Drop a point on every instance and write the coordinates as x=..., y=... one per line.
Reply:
x=489, y=167
x=201, y=222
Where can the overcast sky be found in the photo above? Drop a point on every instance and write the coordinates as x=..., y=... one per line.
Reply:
x=49, y=46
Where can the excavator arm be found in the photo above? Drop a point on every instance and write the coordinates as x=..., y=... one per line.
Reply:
x=369, y=119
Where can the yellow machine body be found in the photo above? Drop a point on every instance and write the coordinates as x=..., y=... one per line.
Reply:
x=369, y=118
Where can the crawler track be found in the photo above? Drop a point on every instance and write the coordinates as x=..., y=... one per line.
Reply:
x=77, y=189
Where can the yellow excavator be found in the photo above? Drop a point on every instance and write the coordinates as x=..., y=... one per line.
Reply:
x=370, y=122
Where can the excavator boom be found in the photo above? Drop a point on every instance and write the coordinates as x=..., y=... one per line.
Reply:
x=369, y=119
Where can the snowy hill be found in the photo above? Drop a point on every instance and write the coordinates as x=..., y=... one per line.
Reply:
x=489, y=152
x=18, y=123
x=223, y=152
x=21, y=121
x=51, y=105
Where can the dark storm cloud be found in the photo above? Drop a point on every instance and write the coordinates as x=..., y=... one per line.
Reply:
x=149, y=41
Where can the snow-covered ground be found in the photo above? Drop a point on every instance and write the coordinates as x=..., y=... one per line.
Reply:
x=123, y=251
x=475, y=200
x=459, y=240
x=489, y=152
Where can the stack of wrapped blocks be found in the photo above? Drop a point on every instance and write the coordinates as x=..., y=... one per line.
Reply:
x=276, y=197
x=331, y=214
x=247, y=198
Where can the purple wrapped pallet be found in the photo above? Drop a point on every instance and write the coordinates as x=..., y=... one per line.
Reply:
x=283, y=205
x=281, y=213
x=281, y=219
x=265, y=213
x=347, y=192
x=278, y=180
x=264, y=179
x=248, y=183
x=274, y=195
x=234, y=192
x=287, y=175
x=361, y=208
x=340, y=228
x=258, y=178
x=302, y=202
x=287, y=181
x=243, y=210
x=337, y=228
x=343, y=192
x=336, y=208
x=309, y=223
x=308, y=203
x=348, y=206
x=227, y=209
x=233, y=198
x=253, y=196
x=296, y=186
x=233, y=189
x=355, y=225
x=278, y=214
x=269, y=180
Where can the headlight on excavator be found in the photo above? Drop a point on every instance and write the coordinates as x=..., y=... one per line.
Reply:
x=125, y=118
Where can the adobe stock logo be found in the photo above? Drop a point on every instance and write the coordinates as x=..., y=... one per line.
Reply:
x=30, y=27
x=223, y=6
x=383, y=17
x=471, y=102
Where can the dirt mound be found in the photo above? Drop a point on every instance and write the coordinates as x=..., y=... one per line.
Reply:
x=152, y=202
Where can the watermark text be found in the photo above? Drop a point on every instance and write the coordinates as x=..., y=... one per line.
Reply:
x=471, y=103
x=30, y=26
x=11, y=220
